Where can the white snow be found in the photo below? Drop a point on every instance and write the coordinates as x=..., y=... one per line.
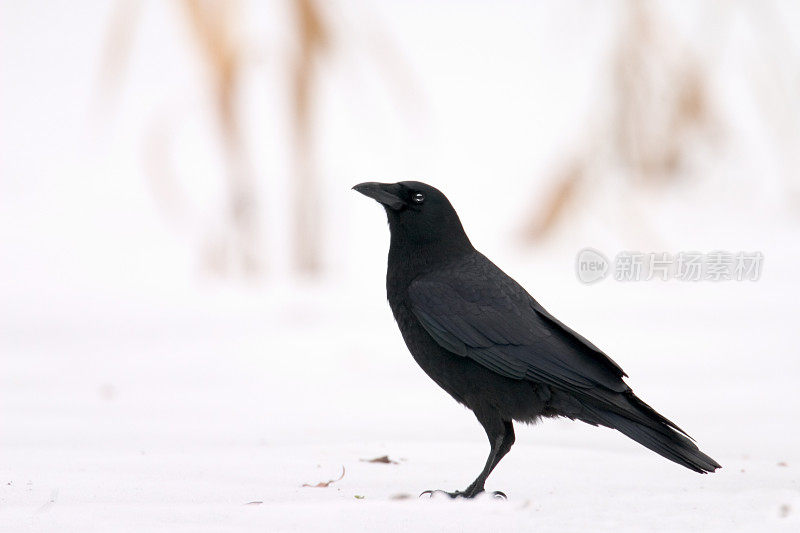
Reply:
x=173, y=416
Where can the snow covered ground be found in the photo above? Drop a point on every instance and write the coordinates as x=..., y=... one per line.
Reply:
x=136, y=394
x=175, y=416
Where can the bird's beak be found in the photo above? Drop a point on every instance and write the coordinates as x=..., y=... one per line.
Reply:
x=384, y=193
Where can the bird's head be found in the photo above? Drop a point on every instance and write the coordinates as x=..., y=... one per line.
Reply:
x=418, y=214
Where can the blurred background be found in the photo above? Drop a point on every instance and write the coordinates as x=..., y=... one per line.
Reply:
x=193, y=306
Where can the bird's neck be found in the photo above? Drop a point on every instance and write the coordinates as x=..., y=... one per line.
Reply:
x=408, y=260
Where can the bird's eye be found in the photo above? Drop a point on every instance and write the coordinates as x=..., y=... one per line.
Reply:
x=417, y=197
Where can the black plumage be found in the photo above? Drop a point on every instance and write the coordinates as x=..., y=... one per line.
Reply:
x=482, y=338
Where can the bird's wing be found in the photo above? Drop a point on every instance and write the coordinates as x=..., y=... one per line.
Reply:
x=473, y=309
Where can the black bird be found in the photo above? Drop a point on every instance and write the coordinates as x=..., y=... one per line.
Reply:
x=482, y=338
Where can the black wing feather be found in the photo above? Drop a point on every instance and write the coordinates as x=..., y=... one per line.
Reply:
x=475, y=310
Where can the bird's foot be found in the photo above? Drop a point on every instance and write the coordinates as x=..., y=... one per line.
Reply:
x=433, y=493
x=464, y=494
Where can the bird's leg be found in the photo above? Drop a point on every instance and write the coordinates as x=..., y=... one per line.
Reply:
x=476, y=487
x=499, y=449
x=508, y=442
x=501, y=438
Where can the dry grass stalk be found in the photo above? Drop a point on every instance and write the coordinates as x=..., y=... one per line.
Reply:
x=215, y=25
x=117, y=46
x=313, y=41
x=560, y=197
x=659, y=106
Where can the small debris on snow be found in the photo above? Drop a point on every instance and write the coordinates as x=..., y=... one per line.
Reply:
x=783, y=463
x=401, y=496
x=50, y=502
x=785, y=509
x=382, y=459
x=358, y=496
x=254, y=503
x=325, y=484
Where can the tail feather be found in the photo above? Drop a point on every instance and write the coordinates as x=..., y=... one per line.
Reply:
x=658, y=435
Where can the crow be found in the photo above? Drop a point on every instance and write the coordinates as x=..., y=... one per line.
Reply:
x=484, y=340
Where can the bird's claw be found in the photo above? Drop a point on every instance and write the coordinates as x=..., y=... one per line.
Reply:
x=432, y=493
x=498, y=495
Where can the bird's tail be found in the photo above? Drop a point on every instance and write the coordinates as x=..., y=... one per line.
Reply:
x=644, y=425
